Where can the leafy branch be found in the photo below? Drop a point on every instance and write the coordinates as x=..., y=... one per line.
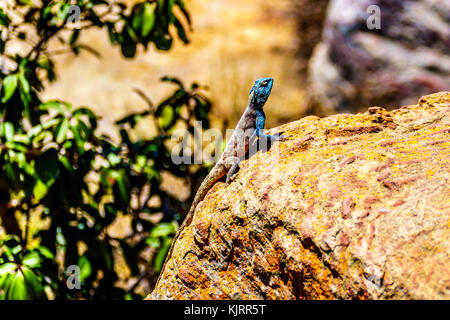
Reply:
x=56, y=168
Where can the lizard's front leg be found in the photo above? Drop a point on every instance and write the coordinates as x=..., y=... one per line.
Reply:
x=270, y=138
x=259, y=129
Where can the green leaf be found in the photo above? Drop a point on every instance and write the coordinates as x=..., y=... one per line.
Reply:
x=85, y=267
x=78, y=139
x=161, y=255
x=13, y=245
x=149, y=19
x=21, y=138
x=39, y=190
x=128, y=45
x=152, y=174
x=47, y=165
x=34, y=131
x=12, y=175
x=152, y=242
x=8, y=131
x=144, y=18
x=114, y=36
x=18, y=289
x=17, y=147
x=9, y=87
x=60, y=239
x=26, y=100
x=167, y=117
x=52, y=104
x=163, y=229
x=25, y=86
x=45, y=252
x=84, y=129
x=5, y=284
x=41, y=136
x=19, y=157
x=63, y=11
x=50, y=123
x=163, y=41
x=8, y=267
x=34, y=286
x=169, y=4
x=61, y=130
x=32, y=259
x=73, y=38
x=122, y=185
x=113, y=159
x=24, y=2
x=83, y=111
x=4, y=19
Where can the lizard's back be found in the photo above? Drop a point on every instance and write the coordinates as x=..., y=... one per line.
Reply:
x=237, y=146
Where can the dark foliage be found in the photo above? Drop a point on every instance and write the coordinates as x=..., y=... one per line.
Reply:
x=55, y=166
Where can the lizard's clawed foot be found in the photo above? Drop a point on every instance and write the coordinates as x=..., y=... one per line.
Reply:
x=281, y=137
x=230, y=178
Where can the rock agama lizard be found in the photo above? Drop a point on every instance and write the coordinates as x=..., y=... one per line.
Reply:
x=249, y=127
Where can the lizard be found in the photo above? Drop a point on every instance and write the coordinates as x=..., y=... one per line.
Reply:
x=249, y=127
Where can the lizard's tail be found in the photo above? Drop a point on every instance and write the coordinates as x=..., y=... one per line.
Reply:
x=216, y=173
x=207, y=184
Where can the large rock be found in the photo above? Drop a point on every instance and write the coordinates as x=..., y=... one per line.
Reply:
x=351, y=206
x=355, y=67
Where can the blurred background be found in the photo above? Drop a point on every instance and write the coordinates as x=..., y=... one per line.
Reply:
x=234, y=43
x=87, y=114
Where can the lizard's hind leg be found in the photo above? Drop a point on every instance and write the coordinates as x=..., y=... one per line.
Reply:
x=234, y=166
x=232, y=172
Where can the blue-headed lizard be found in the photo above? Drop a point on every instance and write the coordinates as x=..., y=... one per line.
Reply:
x=250, y=126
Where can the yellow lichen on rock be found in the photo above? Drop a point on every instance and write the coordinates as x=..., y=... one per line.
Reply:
x=350, y=206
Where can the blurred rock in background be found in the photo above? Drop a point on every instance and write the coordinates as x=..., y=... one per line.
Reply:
x=310, y=18
x=353, y=68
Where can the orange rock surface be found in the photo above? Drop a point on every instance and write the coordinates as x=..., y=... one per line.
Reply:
x=350, y=206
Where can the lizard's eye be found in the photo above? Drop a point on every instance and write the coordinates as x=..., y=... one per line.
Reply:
x=261, y=95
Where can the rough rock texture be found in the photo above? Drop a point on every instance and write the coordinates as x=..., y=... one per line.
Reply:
x=351, y=206
x=354, y=67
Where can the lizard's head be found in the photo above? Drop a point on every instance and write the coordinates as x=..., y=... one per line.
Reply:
x=260, y=92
